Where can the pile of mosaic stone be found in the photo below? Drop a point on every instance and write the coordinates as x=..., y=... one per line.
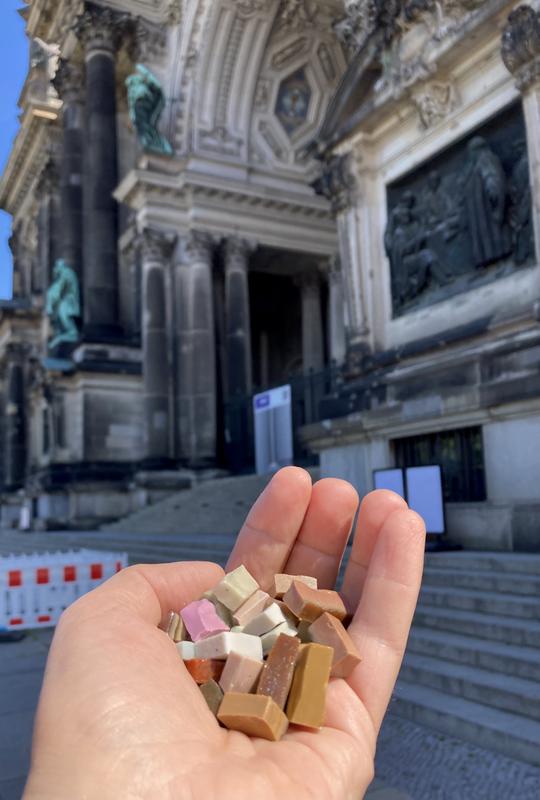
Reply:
x=263, y=660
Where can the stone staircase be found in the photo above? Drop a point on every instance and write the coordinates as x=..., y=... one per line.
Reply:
x=218, y=505
x=472, y=667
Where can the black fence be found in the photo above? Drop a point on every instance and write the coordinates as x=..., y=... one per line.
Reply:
x=307, y=391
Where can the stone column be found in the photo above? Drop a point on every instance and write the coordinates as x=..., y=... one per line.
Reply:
x=239, y=378
x=15, y=425
x=337, y=345
x=69, y=82
x=155, y=253
x=100, y=30
x=50, y=227
x=312, y=341
x=312, y=323
x=339, y=185
x=521, y=54
x=237, y=313
x=196, y=385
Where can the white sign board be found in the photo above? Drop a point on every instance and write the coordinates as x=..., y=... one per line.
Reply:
x=425, y=496
x=273, y=430
x=392, y=479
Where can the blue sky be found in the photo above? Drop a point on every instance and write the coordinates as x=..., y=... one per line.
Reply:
x=13, y=69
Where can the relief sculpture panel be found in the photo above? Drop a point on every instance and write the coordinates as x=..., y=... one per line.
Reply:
x=463, y=218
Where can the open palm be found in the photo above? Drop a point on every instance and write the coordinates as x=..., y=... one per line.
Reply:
x=120, y=717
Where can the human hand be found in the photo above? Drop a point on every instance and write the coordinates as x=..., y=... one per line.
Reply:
x=120, y=717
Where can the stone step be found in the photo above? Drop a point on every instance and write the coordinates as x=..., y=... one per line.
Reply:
x=524, y=563
x=504, y=605
x=484, y=626
x=492, y=689
x=213, y=505
x=508, y=659
x=483, y=581
x=511, y=734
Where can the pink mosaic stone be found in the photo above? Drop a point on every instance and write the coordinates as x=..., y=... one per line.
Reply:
x=202, y=620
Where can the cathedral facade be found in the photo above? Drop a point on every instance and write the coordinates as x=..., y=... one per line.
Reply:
x=216, y=197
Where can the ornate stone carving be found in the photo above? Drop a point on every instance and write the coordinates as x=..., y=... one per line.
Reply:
x=463, y=218
x=146, y=103
x=100, y=28
x=297, y=14
x=64, y=305
x=520, y=48
x=199, y=246
x=237, y=252
x=404, y=57
x=246, y=8
x=174, y=14
x=337, y=183
x=155, y=245
x=68, y=79
x=149, y=41
x=262, y=94
x=434, y=101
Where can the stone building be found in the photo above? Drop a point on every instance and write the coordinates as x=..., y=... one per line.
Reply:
x=199, y=261
x=432, y=162
x=212, y=196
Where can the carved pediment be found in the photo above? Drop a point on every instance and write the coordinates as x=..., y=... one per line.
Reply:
x=393, y=47
x=405, y=31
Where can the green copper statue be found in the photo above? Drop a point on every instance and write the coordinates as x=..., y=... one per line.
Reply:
x=63, y=305
x=146, y=103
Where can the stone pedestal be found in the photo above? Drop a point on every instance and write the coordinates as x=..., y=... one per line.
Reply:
x=100, y=29
x=196, y=384
x=155, y=252
x=68, y=81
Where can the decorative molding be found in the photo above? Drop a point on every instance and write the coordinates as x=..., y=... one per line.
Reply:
x=337, y=183
x=434, y=101
x=520, y=46
x=247, y=8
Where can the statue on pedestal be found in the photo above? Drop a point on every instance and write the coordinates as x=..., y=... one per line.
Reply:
x=64, y=305
x=146, y=103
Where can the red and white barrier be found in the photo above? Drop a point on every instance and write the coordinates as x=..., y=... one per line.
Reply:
x=35, y=589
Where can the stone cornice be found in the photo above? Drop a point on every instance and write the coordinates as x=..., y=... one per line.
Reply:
x=52, y=19
x=181, y=199
x=28, y=156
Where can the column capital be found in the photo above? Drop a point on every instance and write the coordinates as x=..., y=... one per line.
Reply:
x=309, y=280
x=69, y=80
x=100, y=28
x=199, y=246
x=155, y=245
x=238, y=251
x=337, y=183
x=520, y=46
